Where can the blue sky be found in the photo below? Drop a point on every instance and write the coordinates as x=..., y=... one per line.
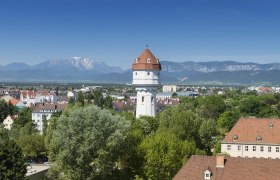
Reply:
x=116, y=31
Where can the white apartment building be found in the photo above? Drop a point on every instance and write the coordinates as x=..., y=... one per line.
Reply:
x=253, y=138
x=45, y=110
x=169, y=88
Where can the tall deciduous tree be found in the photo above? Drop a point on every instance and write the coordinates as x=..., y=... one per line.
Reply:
x=164, y=155
x=23, y=118
x=12, y=163
x=4, y=111
x=227, y=120
x=98, y=98
x=87, y=144
x=80, y=98
x=207, y=131
x=108, y=102
x=212, y=106
x=181, y=122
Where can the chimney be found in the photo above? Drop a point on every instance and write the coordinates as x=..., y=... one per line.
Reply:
x=220, y=161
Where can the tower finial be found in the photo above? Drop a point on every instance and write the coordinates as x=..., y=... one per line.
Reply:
x=147, y=45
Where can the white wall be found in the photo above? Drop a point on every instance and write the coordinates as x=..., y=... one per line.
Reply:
x=37, y=118
x=146, y=102
x=8, y=122
x=234, y=152
x=147, y=77
x=169, y=88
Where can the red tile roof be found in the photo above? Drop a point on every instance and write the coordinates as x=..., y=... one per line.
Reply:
x=266, y=89
x=43, y=92
x=14, y=101
x=31, y=93
x=48, y=107
x=247, y=130
x=235, y=168
x=146, y=61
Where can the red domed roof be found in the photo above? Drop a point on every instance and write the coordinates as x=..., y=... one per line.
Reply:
x=146, y=61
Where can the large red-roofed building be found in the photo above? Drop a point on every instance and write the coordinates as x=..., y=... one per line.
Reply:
x=253, y=138
x=229, y=168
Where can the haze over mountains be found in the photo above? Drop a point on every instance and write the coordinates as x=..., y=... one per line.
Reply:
x=86, y=69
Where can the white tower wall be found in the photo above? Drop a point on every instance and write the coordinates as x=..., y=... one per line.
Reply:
x=146, y=78
x=146, y=101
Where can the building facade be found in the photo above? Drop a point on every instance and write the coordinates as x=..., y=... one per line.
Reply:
x=169, y=88
x=253, y=138
x=146, y=78
x=45, y=110
x=9, y=121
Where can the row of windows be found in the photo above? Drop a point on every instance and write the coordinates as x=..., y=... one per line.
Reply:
x=254, y=148
x=235, y=138
x=148, y=60
x=148, y=73
x=152, y=99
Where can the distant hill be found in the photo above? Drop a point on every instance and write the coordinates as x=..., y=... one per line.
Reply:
x=87, y=69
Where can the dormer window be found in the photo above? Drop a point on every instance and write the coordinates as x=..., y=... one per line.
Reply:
x=207, y=174
x=136, y=60
x=258, y=138
x=148, y=60
x=235, y=137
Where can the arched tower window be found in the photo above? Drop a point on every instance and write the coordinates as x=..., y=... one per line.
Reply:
x=142, y=98
x=152, y=99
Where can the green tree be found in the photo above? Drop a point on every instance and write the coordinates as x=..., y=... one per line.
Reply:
x=147, y=124
x=32, y=145
x=180, y=122
x=207, y=131
x=80, y=98
x=250, y=106
x=12, y=110
x=174, y=95
x=45, y=124
x=52, y=149
x=87, y=144
x=71, y=101
x=164, y=155
x=4, y=110
x=217, y=148
x=25, y=116
x=108, y=102
x=12, y=164
x=227, y=120
x=98, y=98
x=212, y=106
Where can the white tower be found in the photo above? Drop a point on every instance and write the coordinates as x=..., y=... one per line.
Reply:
x=146, y=77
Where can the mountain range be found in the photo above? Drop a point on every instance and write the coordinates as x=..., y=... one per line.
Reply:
x=87, y=69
